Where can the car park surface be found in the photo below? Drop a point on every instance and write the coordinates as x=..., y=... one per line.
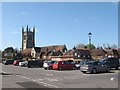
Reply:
x=22, y=77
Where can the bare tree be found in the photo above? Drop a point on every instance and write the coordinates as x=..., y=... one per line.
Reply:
x=109, y=46
x=114, y=46
x=80, y=45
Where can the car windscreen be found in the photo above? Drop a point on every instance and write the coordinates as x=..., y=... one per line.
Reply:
x=51, y=62
x=88, y=63
x=56, y=62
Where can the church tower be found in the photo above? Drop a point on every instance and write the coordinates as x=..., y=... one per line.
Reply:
x=28, y=38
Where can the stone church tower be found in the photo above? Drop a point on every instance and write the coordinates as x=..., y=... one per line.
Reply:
x=28, y=38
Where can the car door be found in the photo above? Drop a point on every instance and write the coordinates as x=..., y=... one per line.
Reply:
x=111, y=62
x=63, y=65
x=102, y=67
x=98, y=66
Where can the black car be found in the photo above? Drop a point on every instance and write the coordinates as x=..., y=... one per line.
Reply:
x=111, y=61
x=7, y=62
x=35, y=63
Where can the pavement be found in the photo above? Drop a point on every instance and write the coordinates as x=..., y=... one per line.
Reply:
x=26, y=78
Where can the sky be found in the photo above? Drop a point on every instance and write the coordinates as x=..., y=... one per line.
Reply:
x=60, y=23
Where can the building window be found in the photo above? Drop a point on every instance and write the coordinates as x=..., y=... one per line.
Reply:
x=65, y=50
x=75, y=54
x=81, y=55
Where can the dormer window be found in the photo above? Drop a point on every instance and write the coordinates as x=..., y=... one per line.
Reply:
x=76, y=54
x=65, y=50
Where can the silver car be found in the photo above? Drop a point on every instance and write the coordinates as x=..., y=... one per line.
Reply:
x=23, y=64
x=94, y=67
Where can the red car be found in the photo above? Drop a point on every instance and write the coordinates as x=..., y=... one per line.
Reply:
x=60, y=65
x=16, y=62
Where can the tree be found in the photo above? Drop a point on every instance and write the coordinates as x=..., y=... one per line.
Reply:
x=114, y=46
x=110, y=46
x=80, y=45
x=91, y=46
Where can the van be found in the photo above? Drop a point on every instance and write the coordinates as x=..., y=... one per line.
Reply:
x=112, y=62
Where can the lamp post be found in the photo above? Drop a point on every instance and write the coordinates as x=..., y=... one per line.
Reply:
x=90, y=34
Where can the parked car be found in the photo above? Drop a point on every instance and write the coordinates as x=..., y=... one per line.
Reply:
x=94, y=67
x=23, y=63
x=77, y=65
x=60, y=65
x=111, y=61
x=35, y=63
x=7, y=62
x=3, y=61
x=48, y=65
x=16, y=62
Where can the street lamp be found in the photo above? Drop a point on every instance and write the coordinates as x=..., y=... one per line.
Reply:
x=90, y=34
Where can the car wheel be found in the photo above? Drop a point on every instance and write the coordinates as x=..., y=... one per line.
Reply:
x=116, y=68
x=45, y=68
x=60, y=68
x=94, y=71
x=83, y=71
x=73, y=68
x=108, y=70
x=50, y=68
x=32, y=66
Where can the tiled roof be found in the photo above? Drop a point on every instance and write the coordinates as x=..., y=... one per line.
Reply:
x=37, y=49
x=113, y=52
x=118, y=50
x=83, y=51
x=69, y=52
x=98, y=52
x=49, y=48
x=27, y=50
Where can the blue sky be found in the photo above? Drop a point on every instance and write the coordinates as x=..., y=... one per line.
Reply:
x=60, y=23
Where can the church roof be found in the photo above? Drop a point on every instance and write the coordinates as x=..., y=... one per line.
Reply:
x=27, y=50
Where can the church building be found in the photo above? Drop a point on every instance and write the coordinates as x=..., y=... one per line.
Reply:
x=28, y=38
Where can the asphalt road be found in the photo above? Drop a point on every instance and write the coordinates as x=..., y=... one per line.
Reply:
x=23, y=77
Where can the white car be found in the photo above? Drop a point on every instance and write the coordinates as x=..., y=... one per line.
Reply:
x=48, y=64
x=23, y=64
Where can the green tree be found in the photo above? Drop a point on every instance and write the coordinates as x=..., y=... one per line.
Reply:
x=90, y=46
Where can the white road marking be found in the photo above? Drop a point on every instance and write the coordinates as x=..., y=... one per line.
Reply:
x=45, y=84
x=52, y=79
x=49, y=74
x=40, y=79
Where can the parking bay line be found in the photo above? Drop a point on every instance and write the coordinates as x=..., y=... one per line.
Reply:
x=45, y=84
